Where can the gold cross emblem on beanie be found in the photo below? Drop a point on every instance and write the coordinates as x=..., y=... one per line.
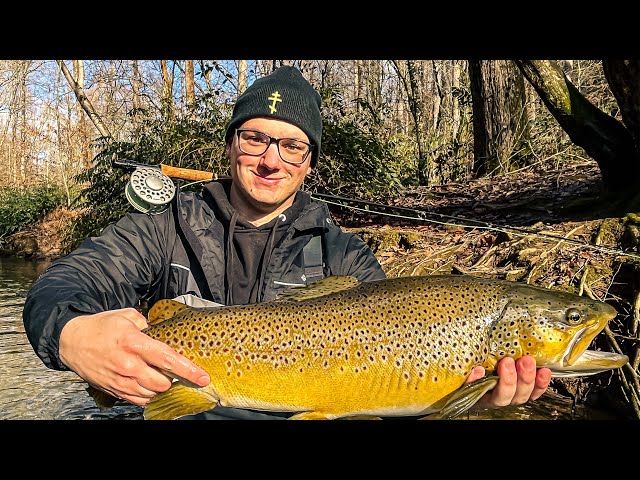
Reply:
x=275, y=97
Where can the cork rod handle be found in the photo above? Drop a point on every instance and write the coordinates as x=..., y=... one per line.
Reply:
x=187, y=173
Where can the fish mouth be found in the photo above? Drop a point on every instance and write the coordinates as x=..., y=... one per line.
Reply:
x=576, y=347
x=581, y=341
x=589, y=362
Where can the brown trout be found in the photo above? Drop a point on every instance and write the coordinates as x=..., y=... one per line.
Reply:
x=395, y=347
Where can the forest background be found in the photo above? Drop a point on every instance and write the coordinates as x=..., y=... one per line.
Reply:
x=447, y=143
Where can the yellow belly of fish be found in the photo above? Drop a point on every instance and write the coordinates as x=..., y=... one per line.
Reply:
x=333, y=390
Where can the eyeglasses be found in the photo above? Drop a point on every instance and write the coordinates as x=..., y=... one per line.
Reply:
x=290, y=150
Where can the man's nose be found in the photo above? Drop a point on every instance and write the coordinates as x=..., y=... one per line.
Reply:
x=271, y=158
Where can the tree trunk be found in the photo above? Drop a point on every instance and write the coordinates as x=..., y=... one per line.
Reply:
x=623, y=77
x=437, y=96
x=189, y=82
x=407, y=72
x=59, y=136
x=78, y=90
x=136, y=87
x=497, y=91
x=357, y=81
x=603, y=138
x=242, y=76
x=85, y=143
x=455, y=103
x=24, y=150
x=374, y=88
x=167, y=90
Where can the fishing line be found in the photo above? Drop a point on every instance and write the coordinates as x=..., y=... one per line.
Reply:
x=461, y=222
x=150, y=190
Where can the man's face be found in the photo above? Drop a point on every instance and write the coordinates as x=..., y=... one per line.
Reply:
x=265, y=183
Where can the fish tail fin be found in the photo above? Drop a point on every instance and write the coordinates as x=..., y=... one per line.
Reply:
x=178, y=401
x=163, y=310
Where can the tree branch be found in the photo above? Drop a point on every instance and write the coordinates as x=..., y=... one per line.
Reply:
x=86, y=105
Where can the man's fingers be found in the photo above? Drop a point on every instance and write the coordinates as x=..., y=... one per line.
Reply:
x=153, y=381
x=543, y=378
x=519, y=382
x=140, y=401
x=526, y=370
x=166, y=359
x=476, y=373
x=137, y=394
x=503, y=393
x=135, y=316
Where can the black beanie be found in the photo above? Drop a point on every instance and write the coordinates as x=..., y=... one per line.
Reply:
x=285, y=95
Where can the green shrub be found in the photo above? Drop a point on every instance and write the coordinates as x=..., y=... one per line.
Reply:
x=21, y=207
x=358, y=163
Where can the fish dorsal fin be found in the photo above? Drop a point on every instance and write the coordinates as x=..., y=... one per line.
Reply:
x=163, y=310
x=317, y=289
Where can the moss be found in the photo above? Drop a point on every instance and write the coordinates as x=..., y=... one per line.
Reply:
x=610, y=232
x=381, y=240
x=631, y=237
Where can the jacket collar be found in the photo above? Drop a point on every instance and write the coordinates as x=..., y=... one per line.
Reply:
x=314, y=214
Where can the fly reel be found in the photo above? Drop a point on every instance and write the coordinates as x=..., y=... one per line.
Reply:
x=149, y=190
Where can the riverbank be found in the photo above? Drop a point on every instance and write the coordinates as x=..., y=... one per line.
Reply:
x=44, y=239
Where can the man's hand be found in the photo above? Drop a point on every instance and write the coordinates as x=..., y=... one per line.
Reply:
x=519, y=382
x=109, y=351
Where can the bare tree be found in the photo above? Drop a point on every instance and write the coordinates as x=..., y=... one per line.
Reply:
x=136, y=86
x=497, y=89
x=242, y=76
x=167, y=90
x=22, y=128
x=455, y=103
x=83, y=134
x=79, y=92
x=407, y=72
x=189, y=81
x=612, y=144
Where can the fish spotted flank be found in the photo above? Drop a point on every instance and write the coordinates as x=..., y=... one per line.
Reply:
x=395, y=347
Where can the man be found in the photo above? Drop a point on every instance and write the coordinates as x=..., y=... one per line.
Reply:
x=237, y=242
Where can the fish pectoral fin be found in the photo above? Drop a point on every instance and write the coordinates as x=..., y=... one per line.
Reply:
x=178, y=401
x=103, y=400
x=464, y=398
x=317, y=289
x=163, y=310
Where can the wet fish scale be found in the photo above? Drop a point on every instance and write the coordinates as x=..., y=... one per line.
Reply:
x=393, y=347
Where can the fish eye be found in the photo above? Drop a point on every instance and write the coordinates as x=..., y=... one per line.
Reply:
x=573, y=316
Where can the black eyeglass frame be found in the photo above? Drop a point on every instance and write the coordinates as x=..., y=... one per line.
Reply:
x=277, y=142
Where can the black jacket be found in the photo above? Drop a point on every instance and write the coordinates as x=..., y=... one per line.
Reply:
x=149, y=257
